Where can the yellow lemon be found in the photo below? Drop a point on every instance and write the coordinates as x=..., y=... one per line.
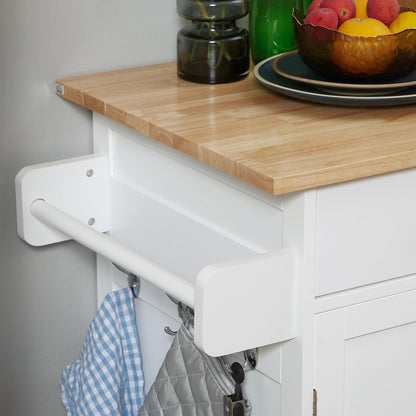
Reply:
x=405, y=20
x=360, y=8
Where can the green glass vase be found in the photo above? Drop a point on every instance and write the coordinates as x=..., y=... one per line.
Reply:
x=212, y=49
x=271, y=27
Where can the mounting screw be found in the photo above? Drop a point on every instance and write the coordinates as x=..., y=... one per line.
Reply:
x=90, y=172
x=91, y=221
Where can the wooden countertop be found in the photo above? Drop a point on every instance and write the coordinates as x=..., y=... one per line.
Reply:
x=276, y=143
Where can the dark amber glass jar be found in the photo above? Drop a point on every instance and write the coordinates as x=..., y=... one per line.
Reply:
x=212, y=48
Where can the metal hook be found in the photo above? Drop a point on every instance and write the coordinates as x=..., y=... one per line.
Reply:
x=170, y=331
x=174, y=300
x=166, y=328
x=250, y=360
x=134, y=283
x=123, y=270
x=185, y=313
x=132, y=279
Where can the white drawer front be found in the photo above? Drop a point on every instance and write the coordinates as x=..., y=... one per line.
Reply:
x=366, y=231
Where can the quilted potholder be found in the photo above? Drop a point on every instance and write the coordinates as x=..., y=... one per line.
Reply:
x=189, y=383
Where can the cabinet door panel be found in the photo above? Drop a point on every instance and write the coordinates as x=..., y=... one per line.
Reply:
x=365, y=358
x=379, y=373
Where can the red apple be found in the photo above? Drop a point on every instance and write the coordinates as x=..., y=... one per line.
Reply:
x=322, y=17
x=383, y=10
x=345, y=9
x=314, y=5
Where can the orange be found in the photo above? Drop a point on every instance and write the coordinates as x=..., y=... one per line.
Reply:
x=405, y=20
x=361, y=49
x=360, y=8
x=406, y=38
x=365, y=26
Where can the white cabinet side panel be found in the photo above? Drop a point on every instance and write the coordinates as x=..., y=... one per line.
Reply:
x=224, y=208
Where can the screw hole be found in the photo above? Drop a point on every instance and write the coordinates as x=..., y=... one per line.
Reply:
x=91, y=221
x=90, y=172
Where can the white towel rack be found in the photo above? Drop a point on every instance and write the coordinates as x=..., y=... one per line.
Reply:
x=69, y=199
x=166, y=280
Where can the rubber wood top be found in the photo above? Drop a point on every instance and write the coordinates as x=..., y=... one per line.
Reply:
x=273, y=142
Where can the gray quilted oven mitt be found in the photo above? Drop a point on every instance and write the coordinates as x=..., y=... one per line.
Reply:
x=191, y=383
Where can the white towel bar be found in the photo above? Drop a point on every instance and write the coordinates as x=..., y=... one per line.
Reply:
x=239, y=304
x=132, y=261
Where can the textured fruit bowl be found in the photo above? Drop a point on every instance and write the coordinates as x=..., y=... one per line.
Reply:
x=341, y=57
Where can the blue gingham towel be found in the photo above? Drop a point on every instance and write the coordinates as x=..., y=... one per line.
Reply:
x=108, y=378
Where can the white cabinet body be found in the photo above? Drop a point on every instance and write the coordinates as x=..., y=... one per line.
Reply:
x=355, y=259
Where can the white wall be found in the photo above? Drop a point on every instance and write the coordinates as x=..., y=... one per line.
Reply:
x=47, y=295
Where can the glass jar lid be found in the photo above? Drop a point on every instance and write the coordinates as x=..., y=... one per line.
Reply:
x=212, y=9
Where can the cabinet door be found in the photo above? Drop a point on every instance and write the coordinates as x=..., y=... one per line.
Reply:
x=365, y=358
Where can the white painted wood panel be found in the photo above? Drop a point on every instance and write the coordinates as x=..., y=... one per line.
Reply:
x=364, y=359
x=168, y=237
x=380, y=373
x=250, y=221
x=330, y=362
x=366, y=231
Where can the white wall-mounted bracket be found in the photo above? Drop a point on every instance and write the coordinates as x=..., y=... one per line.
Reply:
x=239, y=304
x=78, y=186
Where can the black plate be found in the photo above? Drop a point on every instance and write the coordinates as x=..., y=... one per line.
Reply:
x=290, y=65
x=266, y=75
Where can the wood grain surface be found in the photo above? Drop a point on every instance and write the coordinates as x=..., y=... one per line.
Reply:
x=276, y=143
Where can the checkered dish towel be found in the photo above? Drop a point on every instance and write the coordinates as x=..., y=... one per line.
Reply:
x=108, y=378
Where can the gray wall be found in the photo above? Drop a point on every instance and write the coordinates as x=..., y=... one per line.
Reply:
x=47, y=295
